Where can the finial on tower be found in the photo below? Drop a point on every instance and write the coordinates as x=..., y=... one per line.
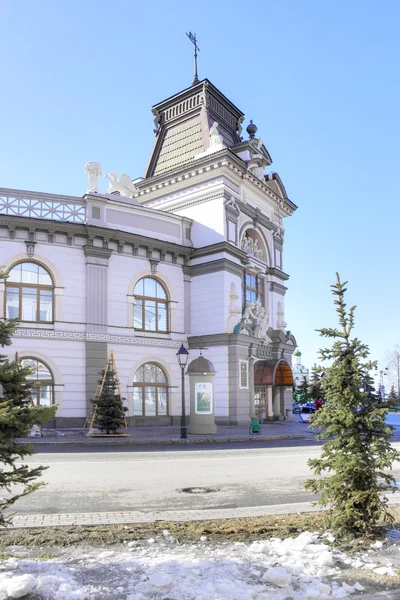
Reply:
x=251, y=130
x=192, y=38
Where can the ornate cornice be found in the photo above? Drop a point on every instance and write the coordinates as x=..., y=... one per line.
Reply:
x=256, y=215
x=220, y=247
x=191, y=173
x=278, y=288
x=96, y=252
x=277, y=273
x=214, y=266
x=90, y=232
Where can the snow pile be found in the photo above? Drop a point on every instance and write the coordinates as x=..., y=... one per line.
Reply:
x=301, y=568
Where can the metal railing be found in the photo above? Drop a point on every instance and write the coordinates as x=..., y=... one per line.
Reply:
x=42, y=206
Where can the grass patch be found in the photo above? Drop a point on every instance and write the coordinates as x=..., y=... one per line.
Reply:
x=218, y=530
x=223, y=530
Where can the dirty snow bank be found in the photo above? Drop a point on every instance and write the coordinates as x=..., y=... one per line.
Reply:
x=301, y=568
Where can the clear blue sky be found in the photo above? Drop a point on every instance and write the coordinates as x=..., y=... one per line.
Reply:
x=320, y=80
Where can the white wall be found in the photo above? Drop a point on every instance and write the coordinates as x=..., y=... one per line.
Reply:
x=208, y=222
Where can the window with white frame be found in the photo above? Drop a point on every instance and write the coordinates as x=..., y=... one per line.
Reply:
x=42, y=390
x=150, y=311
x=150, y=391
x=29, y=293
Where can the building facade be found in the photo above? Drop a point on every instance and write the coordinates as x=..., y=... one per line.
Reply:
x=191, y=253
x=300, y=372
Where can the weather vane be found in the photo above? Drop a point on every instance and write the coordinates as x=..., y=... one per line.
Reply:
x=192, y=38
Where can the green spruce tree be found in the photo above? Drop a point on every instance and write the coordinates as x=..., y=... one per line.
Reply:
x=358, y=453
x=315, y=385
x=303, y=394
x=17, y=416
x=110, y=410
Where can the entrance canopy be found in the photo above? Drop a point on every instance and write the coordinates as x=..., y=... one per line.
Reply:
x=273, y=374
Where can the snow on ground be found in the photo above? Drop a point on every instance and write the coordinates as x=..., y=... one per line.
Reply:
x=301, y=568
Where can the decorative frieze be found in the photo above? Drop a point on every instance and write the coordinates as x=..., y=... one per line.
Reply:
x=74, y=336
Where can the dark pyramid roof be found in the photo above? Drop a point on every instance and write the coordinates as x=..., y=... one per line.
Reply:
x=183, y=123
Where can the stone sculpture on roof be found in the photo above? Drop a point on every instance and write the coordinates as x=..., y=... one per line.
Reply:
x=216, y=140
x=93, y=171
x=123, y=185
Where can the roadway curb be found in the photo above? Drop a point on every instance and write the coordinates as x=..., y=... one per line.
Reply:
x=133, y=442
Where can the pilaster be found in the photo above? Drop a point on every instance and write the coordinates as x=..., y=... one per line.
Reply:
x=97, y=288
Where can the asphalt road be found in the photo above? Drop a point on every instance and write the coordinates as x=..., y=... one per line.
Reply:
x=157, y=478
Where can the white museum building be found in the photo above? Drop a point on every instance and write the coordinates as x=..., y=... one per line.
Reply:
x=190, y=253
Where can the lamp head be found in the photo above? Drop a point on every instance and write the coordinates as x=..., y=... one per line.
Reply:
x=182, y=356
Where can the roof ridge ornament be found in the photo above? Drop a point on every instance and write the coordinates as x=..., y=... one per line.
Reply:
x=192, y=38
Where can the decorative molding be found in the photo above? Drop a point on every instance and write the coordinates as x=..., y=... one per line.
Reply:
x=153, y=266
x=96, y=252
x=90, y=232
x=30, y=247
x=278, y=288
x=73, y=336
x=221, y=264
x=256, y=215
x=277, y=273
x=220, y=247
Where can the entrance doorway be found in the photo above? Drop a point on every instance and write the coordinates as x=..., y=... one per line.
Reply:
x=273, y=390
x=261, y=403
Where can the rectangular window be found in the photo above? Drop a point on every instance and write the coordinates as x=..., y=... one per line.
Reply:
x=138, y=314
x=252, y=289
x=150, y=401
x=12, y=303
x=162, y=402
x=162, y=316
x=29, y=304
x=137, y=401
x=150, y=316
x=46, y=305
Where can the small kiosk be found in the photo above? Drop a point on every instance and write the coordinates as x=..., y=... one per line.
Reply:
x=201, y=375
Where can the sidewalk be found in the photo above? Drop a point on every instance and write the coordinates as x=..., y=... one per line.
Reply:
x=273, y=430
x=136, y=516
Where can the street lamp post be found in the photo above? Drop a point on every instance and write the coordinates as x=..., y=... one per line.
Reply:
x=182, y=356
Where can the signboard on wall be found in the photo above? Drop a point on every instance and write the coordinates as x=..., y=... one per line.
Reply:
x=243, y=374
x=203, y=398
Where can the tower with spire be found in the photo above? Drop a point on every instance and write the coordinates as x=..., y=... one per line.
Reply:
x=191, y=253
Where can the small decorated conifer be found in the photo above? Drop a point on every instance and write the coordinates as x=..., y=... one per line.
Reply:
x=358, y=453
x=110, y=410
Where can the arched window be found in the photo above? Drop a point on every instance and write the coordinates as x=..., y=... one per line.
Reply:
x=150, y=391
x=150, y=311
x=29, y=293
x=43, y=384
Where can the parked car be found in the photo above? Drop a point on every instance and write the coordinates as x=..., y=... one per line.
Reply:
x=308, y=407
x=295, y=408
